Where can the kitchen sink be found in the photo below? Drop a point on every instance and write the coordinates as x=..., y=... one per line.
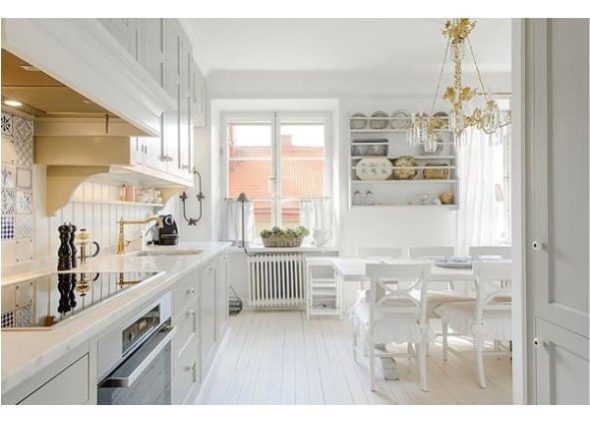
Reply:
x=158, y=252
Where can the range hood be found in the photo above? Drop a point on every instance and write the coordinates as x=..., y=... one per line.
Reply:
x=57, y=108
x=75, y=138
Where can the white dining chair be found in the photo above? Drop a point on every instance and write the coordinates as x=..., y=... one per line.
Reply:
x=430, y=252
x=379, y=252
x=389, y=314
x=503, y=251
x=487, y=318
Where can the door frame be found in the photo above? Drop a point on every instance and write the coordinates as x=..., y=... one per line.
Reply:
x=518, y=173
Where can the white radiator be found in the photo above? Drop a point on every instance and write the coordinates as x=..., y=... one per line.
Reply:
x=276, y=281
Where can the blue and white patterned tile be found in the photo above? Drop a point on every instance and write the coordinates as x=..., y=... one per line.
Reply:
x=24, y=178
x=24, y=202
x=7, y=227
x=22, y=131
x=8, y=176
x=8, y=202
x=7, y=319
x=23, y=226
x=6, y=124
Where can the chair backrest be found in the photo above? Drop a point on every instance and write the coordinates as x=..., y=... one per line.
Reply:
x=380, y=252
x=418, y=252
x=487, y=276
x=383, y=291
x=504, y=251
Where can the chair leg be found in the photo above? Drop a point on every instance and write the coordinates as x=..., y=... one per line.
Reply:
x=479, y=344
x=421, y=347
x=372, y=366
x=354, y=343
x=445, y=334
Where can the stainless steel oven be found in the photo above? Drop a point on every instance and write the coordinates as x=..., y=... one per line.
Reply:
x=135, y=360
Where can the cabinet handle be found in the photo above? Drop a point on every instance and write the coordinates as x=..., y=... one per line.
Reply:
x=191, y=291
x=191, y=313
x=538, y=342
x=537, y=245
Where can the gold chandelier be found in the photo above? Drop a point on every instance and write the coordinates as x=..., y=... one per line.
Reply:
x=425, y=129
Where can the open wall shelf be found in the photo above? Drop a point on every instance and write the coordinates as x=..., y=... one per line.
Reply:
x=390, y=144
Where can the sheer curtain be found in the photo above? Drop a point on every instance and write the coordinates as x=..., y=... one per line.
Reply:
x=482, y=218
x=316, y=214
x=233, y=221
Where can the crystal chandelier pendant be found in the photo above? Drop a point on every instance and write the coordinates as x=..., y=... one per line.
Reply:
x=490, y=118
x=457, y=122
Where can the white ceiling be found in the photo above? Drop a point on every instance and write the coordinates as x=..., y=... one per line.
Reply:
x=369, y=46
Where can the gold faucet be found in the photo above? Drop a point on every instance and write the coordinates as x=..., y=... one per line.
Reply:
x=121, y=241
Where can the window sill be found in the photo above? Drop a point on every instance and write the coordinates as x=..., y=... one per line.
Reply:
x=303, y=249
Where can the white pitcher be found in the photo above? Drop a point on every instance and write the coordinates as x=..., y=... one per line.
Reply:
x=321, y=236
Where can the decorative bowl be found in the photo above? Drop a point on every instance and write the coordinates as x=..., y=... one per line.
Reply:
x=446, y=197
x=374, y=169
x=404, y=162
x=402, y=119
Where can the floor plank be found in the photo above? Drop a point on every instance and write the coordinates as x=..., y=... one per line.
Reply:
x=283, y=358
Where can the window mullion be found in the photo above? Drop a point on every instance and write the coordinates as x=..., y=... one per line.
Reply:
x=276, y=159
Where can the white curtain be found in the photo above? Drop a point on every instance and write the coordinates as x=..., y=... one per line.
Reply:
x=317, y=214
x=482, y=194
x=233, y=221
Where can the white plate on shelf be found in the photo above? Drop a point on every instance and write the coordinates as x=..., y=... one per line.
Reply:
x=402, y=119
x=374, y=169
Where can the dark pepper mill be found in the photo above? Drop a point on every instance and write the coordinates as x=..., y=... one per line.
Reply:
x=73, y=245
x=64, y=262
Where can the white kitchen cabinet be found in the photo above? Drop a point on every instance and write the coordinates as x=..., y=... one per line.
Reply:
x=208, y=338
x=184, y=118
x=221, y=297
x=71, y=380
x=151, y=48
x=125, y=31
x=186, y=368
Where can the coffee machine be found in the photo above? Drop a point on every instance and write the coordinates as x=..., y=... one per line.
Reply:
x=167, y=234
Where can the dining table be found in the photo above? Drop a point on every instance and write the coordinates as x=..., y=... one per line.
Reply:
x=354, y=269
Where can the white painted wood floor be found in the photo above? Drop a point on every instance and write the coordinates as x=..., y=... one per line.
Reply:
x=283, y=358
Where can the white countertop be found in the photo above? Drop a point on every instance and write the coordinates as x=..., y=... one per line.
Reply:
x=25, y=352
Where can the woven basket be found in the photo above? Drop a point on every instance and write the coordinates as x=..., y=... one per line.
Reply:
x=276, y=241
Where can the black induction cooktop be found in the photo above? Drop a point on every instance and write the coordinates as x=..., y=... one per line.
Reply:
x=45, y=301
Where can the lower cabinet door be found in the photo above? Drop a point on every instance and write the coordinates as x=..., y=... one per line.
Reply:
x=187, y=371
x=562, y=365
x=69, y=387
x=208, y=314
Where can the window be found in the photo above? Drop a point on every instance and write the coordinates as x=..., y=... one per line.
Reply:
x=279, y=161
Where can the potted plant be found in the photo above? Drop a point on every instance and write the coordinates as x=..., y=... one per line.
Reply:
x=277, y=237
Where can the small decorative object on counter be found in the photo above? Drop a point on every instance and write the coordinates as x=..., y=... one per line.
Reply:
x=437, y=172
x=321, y=236
x=83, y=239
x=369, y=198
x=286, y=238
x=235, y=303
x=379, y=123
x=358, y=121
x=404, y=168
x=446, y=197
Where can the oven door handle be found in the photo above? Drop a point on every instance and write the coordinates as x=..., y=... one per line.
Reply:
x=126, y=375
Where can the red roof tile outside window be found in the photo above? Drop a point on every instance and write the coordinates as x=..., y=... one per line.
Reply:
x=301, y=165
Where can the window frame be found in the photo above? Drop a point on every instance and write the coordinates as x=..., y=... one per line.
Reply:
x=276, y=119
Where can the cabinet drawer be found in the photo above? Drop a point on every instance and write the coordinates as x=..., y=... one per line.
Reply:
x=185, y=293
x=186, y=371
x=188, y=325
x=69, y=387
